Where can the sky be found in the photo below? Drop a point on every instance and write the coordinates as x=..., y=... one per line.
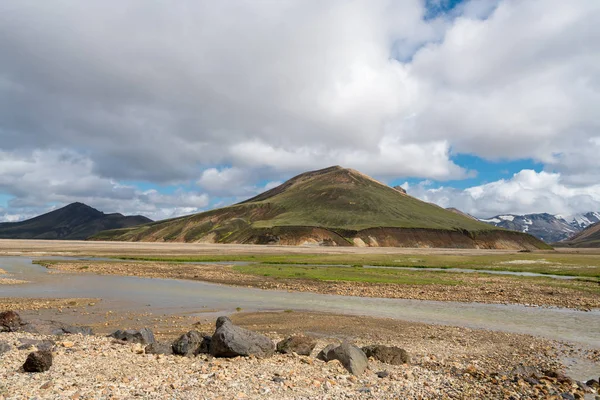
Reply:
x=168, y=108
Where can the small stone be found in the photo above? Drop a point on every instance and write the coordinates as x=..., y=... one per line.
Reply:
x=159, y=349
x=387, y=354
x=383, y=374
x=4, y=347
x=301, y=345
x=67, y=344
x=46, y=385
x=323, y=353
x=278, y=379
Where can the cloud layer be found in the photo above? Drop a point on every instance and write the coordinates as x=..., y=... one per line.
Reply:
x=233, y=95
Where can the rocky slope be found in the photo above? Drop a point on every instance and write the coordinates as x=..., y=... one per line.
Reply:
x=589, y=237
x=76, y=221
x=332, y=206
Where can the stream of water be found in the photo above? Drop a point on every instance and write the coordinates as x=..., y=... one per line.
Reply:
x=171, y=294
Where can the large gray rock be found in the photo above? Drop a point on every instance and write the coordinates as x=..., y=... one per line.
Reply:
x=387, y=354
x=38, y=361
x=351, y=357
x=159, y=348
x=323, y=353
x=45, y=327
x=4, y=347
x=301, y=345
x=191, y=343
x=143, y=336
x=232, y=341
x=10, y=321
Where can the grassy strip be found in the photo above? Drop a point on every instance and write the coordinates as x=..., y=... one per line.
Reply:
x=584, y=265
x=352, y=274
x=402, y=277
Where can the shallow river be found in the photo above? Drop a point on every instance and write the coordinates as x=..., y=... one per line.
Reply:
x=170, y=295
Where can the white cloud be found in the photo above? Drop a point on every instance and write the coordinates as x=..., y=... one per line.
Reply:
x=169, y=93
x=233, y=182
x=526, y=192
x=61, y=177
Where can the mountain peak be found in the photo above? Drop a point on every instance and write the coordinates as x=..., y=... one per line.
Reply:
x=74, y=221
x=331, y=206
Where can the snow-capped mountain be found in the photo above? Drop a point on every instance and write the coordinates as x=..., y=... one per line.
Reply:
x=547, y=227
x=581, y=220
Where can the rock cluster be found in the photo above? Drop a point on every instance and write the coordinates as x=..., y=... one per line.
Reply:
x=88, y=365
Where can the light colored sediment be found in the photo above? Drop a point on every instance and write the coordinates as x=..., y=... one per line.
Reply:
x=453, y=363
x=5, y=280
x=473, y=287
x=26, y=303
x=40, y=248
x=10, y=281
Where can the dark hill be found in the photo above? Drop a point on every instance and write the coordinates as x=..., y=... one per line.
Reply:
x=332, y=206
x=76, y=221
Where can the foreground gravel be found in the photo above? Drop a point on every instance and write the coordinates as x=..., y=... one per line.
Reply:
x=94, y=367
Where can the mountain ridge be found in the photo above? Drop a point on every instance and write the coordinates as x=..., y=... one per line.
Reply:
x=331, y=206
x=547, y=227
x=75, y=221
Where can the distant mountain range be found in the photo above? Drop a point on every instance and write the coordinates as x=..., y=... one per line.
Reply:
x=589, y=237
x=334, y=206
x=547, y=227
x=76, y=221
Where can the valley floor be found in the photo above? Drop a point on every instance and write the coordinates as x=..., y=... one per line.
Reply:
x=447, y=362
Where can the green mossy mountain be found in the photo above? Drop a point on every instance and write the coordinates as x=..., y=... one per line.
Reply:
x=75, y=221
x=332, y=206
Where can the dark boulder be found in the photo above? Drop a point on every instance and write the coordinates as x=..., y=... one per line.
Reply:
x=143, y=336
x=323, y=353
x=232, y=341
x=38, y=361
x=351, y=357
x=45, y=327
x=191, y=343
x=593, y=384
x=10, y=321
x=387, y=354
x=159, y=348
x=301, y=345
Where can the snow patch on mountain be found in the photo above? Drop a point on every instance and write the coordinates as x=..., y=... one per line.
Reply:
x=510, y=218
